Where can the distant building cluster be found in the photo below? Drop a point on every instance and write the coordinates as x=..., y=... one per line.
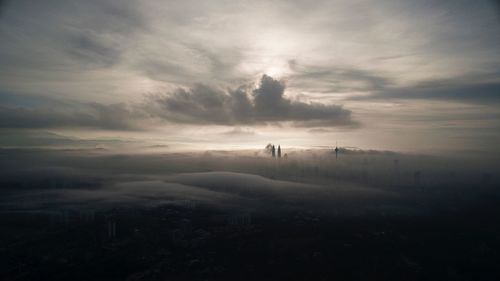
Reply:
x=275, y=152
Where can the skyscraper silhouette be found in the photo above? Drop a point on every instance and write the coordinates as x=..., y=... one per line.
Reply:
x=336, y=151
x=273, y=151
x=279, y=151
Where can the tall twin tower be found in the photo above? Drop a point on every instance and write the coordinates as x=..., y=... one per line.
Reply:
x=273, y=151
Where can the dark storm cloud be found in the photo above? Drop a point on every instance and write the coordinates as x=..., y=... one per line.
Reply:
x=206, y=105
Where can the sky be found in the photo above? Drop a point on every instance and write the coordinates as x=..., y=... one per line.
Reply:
x=416, y=76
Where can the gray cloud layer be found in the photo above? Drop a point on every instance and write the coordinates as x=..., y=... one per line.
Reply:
x=483, y=92
x=93, y=115
x=200, y=104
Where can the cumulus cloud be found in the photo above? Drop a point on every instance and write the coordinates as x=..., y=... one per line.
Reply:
x=200, y=104
x=266, y=104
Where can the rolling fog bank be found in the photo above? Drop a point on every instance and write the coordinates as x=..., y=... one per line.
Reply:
x=357, y=183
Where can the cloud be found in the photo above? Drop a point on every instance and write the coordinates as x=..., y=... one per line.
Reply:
x=38, y=138
x=468, y=89
x=239, y=132
x=266, y=104
x=319, y=131
x=187, y=61
x=89, y=49
x=69, y=35
x=93, y=115
x=333, y=79
x=126, y=194
x=200, y=104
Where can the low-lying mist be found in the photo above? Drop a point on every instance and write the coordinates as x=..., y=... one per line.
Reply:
x=356, y=183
